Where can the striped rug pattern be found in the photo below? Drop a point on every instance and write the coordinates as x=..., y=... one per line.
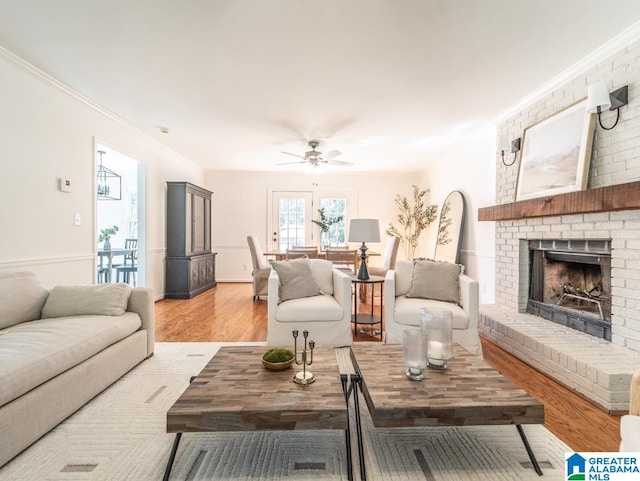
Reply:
x=120, y=435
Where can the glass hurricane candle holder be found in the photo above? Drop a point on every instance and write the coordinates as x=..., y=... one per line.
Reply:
x=415, y=360
x=437, y=328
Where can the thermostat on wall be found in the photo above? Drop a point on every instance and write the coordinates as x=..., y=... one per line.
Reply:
x=65, y=185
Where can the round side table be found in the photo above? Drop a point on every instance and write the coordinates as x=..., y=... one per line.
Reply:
x=368, y=319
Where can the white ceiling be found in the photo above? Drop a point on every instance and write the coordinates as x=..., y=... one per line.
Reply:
x=239, y=81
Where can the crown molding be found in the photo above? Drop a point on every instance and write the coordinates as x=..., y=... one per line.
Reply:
x=606, y=50
x=31, y=69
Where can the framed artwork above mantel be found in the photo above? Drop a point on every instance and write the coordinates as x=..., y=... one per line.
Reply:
x=556, y=154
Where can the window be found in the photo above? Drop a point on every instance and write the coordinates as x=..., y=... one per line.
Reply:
x=333, y=208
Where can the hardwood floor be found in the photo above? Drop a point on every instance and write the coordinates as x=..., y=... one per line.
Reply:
x=227, y=313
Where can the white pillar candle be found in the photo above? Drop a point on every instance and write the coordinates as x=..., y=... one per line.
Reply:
x=436, y=350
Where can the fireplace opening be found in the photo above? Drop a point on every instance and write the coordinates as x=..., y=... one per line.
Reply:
x=570, y=283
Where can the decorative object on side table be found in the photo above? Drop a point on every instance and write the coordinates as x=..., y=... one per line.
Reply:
x=325, y=223
x=415, y=357
x=277, y=359
x=106, y=234
x=303, y=377
x=437, y=328
x=364, y=230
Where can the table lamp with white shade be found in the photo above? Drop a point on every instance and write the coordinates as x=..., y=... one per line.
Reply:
x=364, y=230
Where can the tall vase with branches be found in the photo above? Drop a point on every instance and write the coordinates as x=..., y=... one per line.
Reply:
x=414, y=217
x=325, y=223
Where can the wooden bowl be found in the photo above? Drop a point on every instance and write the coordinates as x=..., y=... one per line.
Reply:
x=277, y=366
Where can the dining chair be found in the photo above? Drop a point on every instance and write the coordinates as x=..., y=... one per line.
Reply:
x=310, y=252
x=102, y=274
x=343, y=259
x=129, y=268
x=261, y=269
x=388, y=259
x=388, y=262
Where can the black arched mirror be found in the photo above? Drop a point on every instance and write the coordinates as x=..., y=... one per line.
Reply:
x=450, y=228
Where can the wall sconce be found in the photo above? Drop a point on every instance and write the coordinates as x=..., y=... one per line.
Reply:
x=515, y=148
x=599, y=100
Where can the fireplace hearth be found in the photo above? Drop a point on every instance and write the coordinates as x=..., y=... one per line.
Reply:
x=570, y=283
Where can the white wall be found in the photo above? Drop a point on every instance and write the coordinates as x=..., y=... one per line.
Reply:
x=240, y=208
x=47, y=132
x=469, y=167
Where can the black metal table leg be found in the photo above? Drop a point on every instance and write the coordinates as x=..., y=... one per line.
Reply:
x=347, y=393
x=350, y=387
x=174, y=449
x=356, y=405
x=172, y=456
x=527, y=446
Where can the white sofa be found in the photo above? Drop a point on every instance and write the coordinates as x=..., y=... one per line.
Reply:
x=60, y=348
x=327, y=316
x=401, y=312
x=630, y=423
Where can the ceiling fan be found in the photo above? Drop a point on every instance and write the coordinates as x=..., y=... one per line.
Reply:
x=316, y=159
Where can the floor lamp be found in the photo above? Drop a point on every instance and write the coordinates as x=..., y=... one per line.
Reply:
x=364, y=230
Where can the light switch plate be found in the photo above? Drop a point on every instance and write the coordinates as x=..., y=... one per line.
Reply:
x=76, y=219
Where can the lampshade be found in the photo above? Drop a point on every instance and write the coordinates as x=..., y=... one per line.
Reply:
x=598, y=97
x=364, y=230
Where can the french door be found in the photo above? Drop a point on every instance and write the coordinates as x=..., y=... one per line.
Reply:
x=291, y=219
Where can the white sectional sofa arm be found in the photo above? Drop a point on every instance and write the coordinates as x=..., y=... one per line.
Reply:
x=142, y=303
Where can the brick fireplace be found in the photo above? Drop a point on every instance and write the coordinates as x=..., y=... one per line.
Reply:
x=534, y=232
x=597, y=366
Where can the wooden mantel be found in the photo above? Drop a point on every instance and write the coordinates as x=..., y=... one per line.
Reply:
x=601, y=199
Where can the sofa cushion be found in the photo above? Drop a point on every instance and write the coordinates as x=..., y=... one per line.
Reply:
x=407, y=311
x=403, y=271
x=100, y=299
x=296, y=279
x=316, y=308
x=435, y=280
x=31, y=353
x=22, y=296
x=323, y=274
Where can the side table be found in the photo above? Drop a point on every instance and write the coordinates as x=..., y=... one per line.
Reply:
x=367, y=318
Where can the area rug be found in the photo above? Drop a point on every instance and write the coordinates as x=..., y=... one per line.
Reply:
x=120, y=435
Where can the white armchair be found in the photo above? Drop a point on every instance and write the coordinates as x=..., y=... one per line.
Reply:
x=630, y=423
x=402, y=312
x=327, y=316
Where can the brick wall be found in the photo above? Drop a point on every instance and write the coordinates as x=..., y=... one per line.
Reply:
x=615, y=160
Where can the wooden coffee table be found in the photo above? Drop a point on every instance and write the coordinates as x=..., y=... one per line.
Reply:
x=468, y=393
x=234, y=392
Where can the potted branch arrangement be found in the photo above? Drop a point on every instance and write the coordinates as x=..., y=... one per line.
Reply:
x=325, y=223
x=413, y=218
x=106, y=234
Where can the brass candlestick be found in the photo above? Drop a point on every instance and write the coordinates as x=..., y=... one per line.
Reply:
x=303, y=377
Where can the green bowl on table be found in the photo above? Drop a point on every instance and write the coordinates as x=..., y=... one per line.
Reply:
x=277, y=359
